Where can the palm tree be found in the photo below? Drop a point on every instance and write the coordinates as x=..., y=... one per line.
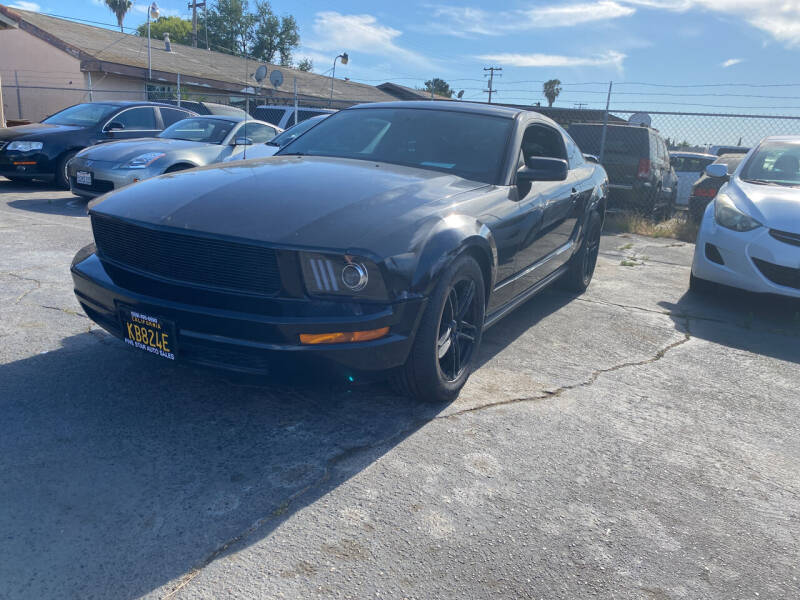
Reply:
x=551, y=89
x=120, y=8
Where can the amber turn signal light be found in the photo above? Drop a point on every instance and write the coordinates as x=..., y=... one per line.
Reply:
x=343, y=337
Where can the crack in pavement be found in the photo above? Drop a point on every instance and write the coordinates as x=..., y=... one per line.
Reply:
x=21, y=278
x=331, y=463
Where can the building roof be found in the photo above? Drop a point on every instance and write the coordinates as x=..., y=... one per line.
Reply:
x=110, y=51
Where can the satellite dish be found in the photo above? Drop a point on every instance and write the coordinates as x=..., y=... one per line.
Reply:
x=640, y=118
x=260, y=74
x=460, y=94
x=276, y=77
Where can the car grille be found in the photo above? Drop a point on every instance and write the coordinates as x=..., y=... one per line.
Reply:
x=98, y=185
x=786, y=237
x=188, y=258
x=778, y=274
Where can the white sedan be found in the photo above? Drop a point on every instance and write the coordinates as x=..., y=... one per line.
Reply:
x=689, y=166
x=749, y=237
x=279, y=141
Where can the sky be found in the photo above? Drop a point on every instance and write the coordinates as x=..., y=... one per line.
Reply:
x=660, y=54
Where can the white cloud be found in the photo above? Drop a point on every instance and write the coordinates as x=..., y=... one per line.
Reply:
x=335, y=32
x=781, y=19
x=610, y=58
x=143, y=8
x=25, y=5
x=730, y=62
x=462, y=21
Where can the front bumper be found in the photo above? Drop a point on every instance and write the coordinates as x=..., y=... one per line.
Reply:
x=105, y=177
x=753, y=260
x=26, y=165
x=255, y=342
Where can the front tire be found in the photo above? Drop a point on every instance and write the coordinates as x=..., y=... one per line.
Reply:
x=582, y=264
x=446, y=345
x=62, y=178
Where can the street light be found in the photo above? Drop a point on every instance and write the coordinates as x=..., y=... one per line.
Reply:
x=344, y=61
x=152, y=13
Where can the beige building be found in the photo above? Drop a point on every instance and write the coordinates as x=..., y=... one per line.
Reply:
x=48, y=63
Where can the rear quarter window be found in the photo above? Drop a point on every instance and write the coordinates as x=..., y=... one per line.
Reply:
x=624, y=141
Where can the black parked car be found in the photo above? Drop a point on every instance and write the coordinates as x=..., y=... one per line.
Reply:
x=386, y=238
x=706, y=187
x=42, y=150
x=638, y=165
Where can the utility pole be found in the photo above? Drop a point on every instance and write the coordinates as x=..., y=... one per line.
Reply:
x=194, y=5
x=491, y=89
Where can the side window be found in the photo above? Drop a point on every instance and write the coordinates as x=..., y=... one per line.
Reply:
x=574, y=155
x=257, y=132
x=137, y=119
x=542, y=141
x=171, y=116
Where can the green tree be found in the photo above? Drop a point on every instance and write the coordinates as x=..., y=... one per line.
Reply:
x=120, y=8
x=439, y=87
x=234, y=28
x=551, y=89
x=305, y=65
x=179, y=30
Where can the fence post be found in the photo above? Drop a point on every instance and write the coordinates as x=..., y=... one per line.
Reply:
x=295, y=100
x=2, y=112
x=89, y=78
x=179, y=89
x=605, y=125
x=19, y=97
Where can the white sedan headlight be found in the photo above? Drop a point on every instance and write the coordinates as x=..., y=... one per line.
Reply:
x=727, y=215
x=142, y=161
x=24, y=146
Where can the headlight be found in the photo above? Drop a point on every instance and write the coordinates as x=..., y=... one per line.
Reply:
x=727, y=215
x=143, y=160
x=342, y=275
x=24, y=146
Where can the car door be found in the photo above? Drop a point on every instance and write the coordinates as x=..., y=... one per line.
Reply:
x=136, y=122
x=257, y=133
x=550, y=208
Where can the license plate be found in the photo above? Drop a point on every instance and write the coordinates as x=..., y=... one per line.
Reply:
x=151, y=334
x=83, y=177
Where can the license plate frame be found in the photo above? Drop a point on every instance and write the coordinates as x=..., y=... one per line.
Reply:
x=84, y=177
x=149, y=333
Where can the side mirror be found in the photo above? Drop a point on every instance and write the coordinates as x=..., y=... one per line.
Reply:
x=592, y=158
x=543, y=169
x=717, y=170
x=243, y=141
x=114, y=126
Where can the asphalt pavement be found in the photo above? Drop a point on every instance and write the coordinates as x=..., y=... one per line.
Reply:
x=637, y=441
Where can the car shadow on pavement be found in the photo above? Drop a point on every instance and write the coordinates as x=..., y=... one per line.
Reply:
x=758, y=323
x=121, y=472
x=71, y=206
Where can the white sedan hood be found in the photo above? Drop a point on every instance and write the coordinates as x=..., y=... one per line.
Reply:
x=775, y=206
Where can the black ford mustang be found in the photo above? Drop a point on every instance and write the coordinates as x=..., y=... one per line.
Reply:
x=386, y=238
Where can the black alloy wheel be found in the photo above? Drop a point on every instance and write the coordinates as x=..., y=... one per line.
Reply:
x=448, y=337
x=582, y=264
x=458, y=329
x=62, y=176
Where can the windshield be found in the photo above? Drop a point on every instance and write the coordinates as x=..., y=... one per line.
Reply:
x=776, y=163
x=209, y=131
x=469, y=145
x=82, y=115
x=294, y=131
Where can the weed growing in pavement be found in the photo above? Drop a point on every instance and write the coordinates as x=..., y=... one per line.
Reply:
x=678, y=227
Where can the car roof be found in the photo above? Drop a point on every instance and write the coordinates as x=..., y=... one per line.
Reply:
x=234, y=118
x=291, y=107
x=450, y=105
x=778, y=138
x=123, y=103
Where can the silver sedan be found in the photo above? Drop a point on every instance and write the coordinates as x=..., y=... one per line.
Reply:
x=192, y=142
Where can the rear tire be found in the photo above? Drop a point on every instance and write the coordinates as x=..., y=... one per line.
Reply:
x=448, y=338
x=582, y=264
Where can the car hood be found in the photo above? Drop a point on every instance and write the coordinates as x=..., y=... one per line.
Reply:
x=125, y=150
x=774, y=206
x=289, y=200
x=35, y=131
